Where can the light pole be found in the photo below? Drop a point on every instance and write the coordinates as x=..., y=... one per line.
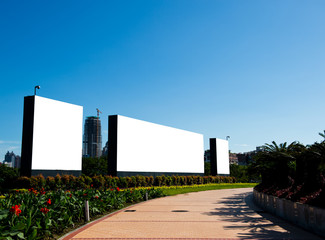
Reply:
x=36, y=87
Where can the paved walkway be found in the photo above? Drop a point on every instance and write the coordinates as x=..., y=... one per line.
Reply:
x=217, y=214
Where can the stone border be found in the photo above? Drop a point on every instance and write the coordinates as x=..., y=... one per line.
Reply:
x=306, y=216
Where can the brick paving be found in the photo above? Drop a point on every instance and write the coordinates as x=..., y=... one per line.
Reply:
x=219, y=214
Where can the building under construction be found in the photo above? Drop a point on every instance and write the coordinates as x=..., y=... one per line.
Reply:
x=92, y=140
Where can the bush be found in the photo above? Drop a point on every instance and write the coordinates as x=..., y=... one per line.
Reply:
x=23, y=182
x=50, y=183
x=58, y=181
x=98, y=181
x=70, y=182
x=8, y=176
x=94, y=166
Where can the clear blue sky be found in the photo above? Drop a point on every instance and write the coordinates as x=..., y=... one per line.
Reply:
x=251, y=70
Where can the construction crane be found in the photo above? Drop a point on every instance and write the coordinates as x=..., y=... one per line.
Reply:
x=98, y=112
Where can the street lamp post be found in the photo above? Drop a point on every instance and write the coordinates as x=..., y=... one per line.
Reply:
x=36, y=87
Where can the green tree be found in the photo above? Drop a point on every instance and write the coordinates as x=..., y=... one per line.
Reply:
x=207, y=169
x=8, y=176
x=313, y=165
x=239, y=172
x=94, y=166
x=277, y=162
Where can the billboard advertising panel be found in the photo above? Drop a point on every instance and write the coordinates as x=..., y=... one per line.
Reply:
x=55, y=130
x=222, y=156
x=144, y=147
x=219, y=156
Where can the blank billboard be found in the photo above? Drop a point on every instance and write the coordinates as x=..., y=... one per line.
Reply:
x=145, y=148
x=219, y=156
x=54, y=129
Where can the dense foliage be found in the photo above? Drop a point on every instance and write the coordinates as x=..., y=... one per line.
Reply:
x=72, y=182
x=7, y=176
x=40, y=214
x=293, y=171
x=243, y=174
x=207, y=169
x=94, y=166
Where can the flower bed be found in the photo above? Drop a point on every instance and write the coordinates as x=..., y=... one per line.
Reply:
x=41, y=214
x=312, y=195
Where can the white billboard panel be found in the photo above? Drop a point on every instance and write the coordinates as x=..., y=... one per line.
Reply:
x=222, y=156
x=57, y=135
x=147, y=147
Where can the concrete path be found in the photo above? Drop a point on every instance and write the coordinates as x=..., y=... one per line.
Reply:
x=217, y=214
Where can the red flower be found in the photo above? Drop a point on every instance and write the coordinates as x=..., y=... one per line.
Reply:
x=45, y=210
x=70, y=195
x=49, y=202
x=85, y=194
x=15, y=209
x=96, y=197
x=42, y=192
x=112, y=189
x=118, y=189
x=92, y=185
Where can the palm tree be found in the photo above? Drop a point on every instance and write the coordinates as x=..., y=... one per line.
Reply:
x=322, y=135
x=277, y=163
x=315, y=164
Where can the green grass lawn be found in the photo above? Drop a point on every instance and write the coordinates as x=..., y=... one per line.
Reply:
x=170, y=191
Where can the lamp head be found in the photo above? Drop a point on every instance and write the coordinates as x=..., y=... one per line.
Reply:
x=36, y=87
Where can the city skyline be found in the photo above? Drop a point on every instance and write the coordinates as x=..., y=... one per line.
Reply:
x=251, y=70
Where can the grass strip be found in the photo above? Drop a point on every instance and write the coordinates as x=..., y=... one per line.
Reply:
x=174, y=190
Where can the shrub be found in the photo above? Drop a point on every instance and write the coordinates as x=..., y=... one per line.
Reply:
x=23, y=182
x=98, y=181
x=70, y=182
x=183, y=180
x=190, y=180
x=50, y=183
x=141, y=181
x=65, y=179
x=37, y=182
x=151, y=181
x=8, y=176
x=88, y=181
x=123, y=182
x=58, y=182
x=158, y=181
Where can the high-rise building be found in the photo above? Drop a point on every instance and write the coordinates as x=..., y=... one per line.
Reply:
x=105, y=149
x=12, y=160
x=92, y=140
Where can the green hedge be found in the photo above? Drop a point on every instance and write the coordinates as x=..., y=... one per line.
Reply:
x=99, y=182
